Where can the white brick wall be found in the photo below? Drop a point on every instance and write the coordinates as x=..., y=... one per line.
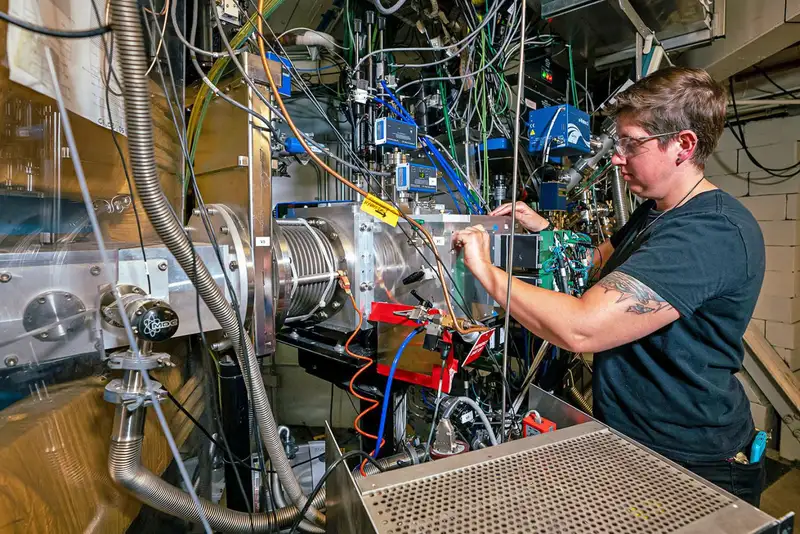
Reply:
x=779, y=233
x=783, y=259
x=767, y=207
x=781, y=284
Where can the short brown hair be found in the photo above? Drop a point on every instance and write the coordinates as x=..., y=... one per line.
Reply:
x=675, y=99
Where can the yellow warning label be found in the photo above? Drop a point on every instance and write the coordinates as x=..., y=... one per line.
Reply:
x=380, y=209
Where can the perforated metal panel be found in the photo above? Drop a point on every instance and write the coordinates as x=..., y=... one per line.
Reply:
x=593, y=483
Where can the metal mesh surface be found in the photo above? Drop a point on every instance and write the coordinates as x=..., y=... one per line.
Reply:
x=595, y=483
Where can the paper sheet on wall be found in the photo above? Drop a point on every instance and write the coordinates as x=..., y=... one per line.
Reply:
x=80, y=62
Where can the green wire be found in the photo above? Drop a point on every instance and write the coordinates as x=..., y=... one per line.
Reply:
x=572, y=78
x=447, y=125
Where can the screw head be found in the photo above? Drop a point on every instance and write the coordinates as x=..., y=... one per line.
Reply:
x=337, y=305
x=224, y=230
x=41, y=300
x=162, y=266
x=94, y=270
x=363, y=227
x=233, y=265
x=5, y=278
x=44, y=335
x=11, y=360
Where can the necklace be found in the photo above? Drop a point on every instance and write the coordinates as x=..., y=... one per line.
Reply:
x=678, y=205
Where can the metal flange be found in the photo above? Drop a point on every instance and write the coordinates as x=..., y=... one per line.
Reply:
x=126, y=360
x=115, y=393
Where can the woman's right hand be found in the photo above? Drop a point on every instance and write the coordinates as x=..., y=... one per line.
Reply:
x=529, y=219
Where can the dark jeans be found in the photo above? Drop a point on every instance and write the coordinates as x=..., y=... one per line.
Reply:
x=744, y=481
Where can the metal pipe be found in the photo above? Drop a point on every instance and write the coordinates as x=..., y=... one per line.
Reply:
x=510, y=260
x=126, y=469
x=133, y=66
x=526, y=384
x=315, y=278
x=619, y=199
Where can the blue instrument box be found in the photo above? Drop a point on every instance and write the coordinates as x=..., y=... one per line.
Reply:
x=569, y=134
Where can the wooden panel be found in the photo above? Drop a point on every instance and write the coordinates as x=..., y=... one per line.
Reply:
x=54, y=454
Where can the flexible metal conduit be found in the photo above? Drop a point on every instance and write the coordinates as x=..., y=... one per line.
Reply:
x=133, y=63
x=126, y=469
x=618, y=198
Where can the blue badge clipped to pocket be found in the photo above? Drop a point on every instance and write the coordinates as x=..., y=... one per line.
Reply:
x=758, y=447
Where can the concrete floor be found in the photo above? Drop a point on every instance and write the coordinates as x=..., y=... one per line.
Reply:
x=782, y=494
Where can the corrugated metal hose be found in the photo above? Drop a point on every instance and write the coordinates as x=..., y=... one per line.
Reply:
x=133, y=65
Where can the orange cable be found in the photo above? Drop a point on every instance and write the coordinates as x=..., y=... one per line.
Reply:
x=329, y=170
x=358, y=373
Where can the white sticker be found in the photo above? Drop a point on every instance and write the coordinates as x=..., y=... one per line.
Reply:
x=432, y=181
x=467, y=417
x=438, y=240
x=262, y=241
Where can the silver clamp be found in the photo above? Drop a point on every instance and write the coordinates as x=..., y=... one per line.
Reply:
x=115, y=393
x=127, y=360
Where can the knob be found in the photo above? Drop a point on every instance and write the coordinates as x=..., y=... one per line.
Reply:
x=154, y=320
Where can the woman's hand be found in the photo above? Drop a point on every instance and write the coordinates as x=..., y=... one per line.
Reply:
x=473, y=242
x=529, y=219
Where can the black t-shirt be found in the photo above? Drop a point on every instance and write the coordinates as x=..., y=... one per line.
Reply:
x=675, y=390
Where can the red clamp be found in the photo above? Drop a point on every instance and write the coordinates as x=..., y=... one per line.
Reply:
x=533, y=424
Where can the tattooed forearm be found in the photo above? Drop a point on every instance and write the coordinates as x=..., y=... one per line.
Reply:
x=642, y=299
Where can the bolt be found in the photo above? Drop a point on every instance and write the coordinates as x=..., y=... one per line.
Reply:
x=11, y=360
x=323, y=315
x=338, y=348
x=44, y=335
x=67, y=296
x=364, y=286
x=41, y=300
x=5, y=278
x=196, y=212
x=233, y=265
x=294, y=334
x=139, y=312
x=212, y=211
x=337, y=305
x=224, y=230
x=334, y=235
x=94, y=270
x=363, y=227
x=162, y=266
